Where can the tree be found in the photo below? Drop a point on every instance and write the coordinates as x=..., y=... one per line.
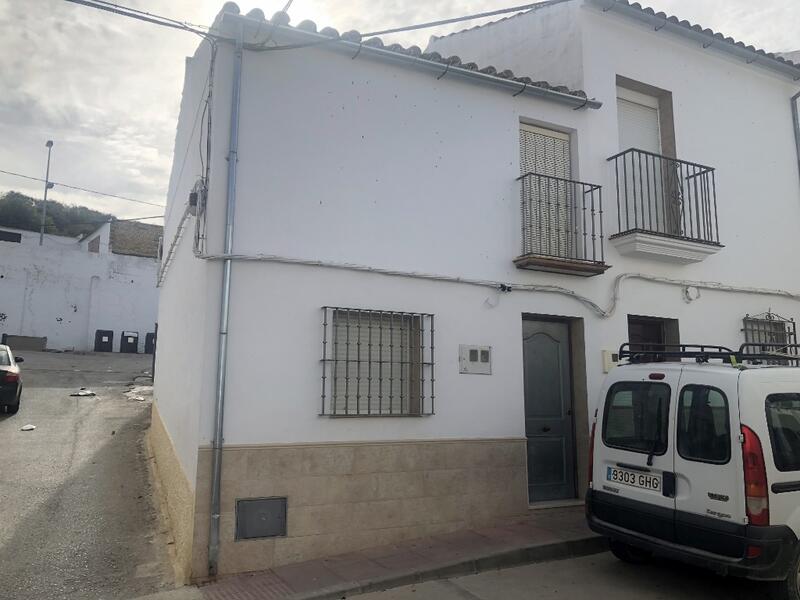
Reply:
x=23, y=212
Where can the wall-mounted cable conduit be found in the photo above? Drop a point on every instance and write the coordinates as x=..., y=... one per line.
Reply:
x=166, y=261
x=224, y=314
x=505, y=286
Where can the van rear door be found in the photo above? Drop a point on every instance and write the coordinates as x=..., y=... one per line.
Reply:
x=709, y=499
x=775, y=392
x=633, y=477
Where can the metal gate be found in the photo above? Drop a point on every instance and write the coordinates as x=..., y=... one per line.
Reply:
x=103, y=340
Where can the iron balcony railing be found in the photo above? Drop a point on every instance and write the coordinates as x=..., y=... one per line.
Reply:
x=561, y=218
x=667, y=196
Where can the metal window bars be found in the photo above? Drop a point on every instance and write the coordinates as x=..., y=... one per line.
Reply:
x=377, y=363
x=666, y=196
x=561, y=218
x=773, y=330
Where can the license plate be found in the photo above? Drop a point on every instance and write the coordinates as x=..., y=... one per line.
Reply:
x=646, y=481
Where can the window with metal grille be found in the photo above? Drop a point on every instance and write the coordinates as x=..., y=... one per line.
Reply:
x=771, y=333
x=376, y=363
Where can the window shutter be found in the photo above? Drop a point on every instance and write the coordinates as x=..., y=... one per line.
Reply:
x=544, y=152
x=638, y=126
x=550, y=205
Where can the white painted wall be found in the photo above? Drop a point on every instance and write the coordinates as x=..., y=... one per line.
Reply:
x=63, y=292
x=359, y=161
x=543, y=44
x=188, y=317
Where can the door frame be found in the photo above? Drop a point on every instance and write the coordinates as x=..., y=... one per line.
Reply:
x=580, y=405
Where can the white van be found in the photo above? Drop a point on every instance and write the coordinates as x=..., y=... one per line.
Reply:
x=695, y=456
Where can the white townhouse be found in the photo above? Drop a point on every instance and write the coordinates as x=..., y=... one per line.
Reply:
x=394, y=279
x=96, y=292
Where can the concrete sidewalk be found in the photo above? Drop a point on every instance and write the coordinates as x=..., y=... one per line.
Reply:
x=546, y=534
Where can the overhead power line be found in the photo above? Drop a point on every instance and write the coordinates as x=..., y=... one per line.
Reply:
x=491, y=13
x=133, y=13
x=185, y=26
x=51, y=225
x=75, y=187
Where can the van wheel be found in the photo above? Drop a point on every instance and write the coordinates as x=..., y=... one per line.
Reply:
x=629, y=554
x=789, y=588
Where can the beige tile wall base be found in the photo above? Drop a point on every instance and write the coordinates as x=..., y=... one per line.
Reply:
x=344, y=497
x=177, y=496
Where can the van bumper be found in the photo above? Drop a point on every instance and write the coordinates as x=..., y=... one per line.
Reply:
x=777, y=544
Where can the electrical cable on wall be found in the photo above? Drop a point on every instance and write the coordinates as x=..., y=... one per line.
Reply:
x=605, y=313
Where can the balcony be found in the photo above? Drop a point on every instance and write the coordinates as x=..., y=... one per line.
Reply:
x=562, y=226
x=666, y=208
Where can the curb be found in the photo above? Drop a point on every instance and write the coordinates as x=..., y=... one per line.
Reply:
x=502, y=560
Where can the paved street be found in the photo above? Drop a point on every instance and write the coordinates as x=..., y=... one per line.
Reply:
x=597, y=576
x=78, y=519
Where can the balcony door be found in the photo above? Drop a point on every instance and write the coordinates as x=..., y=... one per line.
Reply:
x=654, y=181
x=549, y=205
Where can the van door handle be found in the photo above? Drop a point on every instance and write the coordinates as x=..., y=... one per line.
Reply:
x=668, y=484
x=545, y=429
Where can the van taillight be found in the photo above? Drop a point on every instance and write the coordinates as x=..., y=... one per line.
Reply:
x=591, y=450
x=755, y=479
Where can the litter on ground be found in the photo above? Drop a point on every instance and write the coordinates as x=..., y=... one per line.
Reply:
x=27, y=427
x=83, y=392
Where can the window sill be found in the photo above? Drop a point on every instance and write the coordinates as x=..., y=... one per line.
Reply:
x=646, y=244
x=566, y=266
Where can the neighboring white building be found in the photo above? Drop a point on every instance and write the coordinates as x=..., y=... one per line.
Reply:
x=381, y=224
x=80, y=293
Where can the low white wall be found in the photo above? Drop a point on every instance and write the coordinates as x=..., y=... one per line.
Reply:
x=63, y=292
x=543, y=44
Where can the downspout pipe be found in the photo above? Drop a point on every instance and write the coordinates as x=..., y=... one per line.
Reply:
x=796, y=119
x=224, y=312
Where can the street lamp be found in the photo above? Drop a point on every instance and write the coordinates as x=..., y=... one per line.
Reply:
x=47, y=186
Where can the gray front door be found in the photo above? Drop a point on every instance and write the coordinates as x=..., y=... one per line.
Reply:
x=548, y=410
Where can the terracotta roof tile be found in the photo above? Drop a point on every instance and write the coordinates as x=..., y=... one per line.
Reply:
x=281, y=18
x=789, y=59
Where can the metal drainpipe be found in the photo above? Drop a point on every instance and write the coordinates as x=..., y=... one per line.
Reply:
x=222, y=351
x=796, y=120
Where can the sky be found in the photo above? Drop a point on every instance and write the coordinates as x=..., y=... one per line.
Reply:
x=106, y=89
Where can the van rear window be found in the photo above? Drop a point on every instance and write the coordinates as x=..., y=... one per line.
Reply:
x=704, y=428
x=636, y=417
x=783, y=418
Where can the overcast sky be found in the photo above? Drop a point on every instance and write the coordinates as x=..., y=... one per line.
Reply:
x=106, y=88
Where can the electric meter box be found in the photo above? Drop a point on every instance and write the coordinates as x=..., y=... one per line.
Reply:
x=475, y=360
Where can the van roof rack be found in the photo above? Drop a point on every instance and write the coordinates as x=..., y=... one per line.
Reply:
x=702, y=353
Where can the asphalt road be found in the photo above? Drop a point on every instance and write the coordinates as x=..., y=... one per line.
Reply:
x=77, y=518
x=590, y=577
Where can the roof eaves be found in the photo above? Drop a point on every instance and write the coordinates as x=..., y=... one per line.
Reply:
x=351, y=42
x=707, y=37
